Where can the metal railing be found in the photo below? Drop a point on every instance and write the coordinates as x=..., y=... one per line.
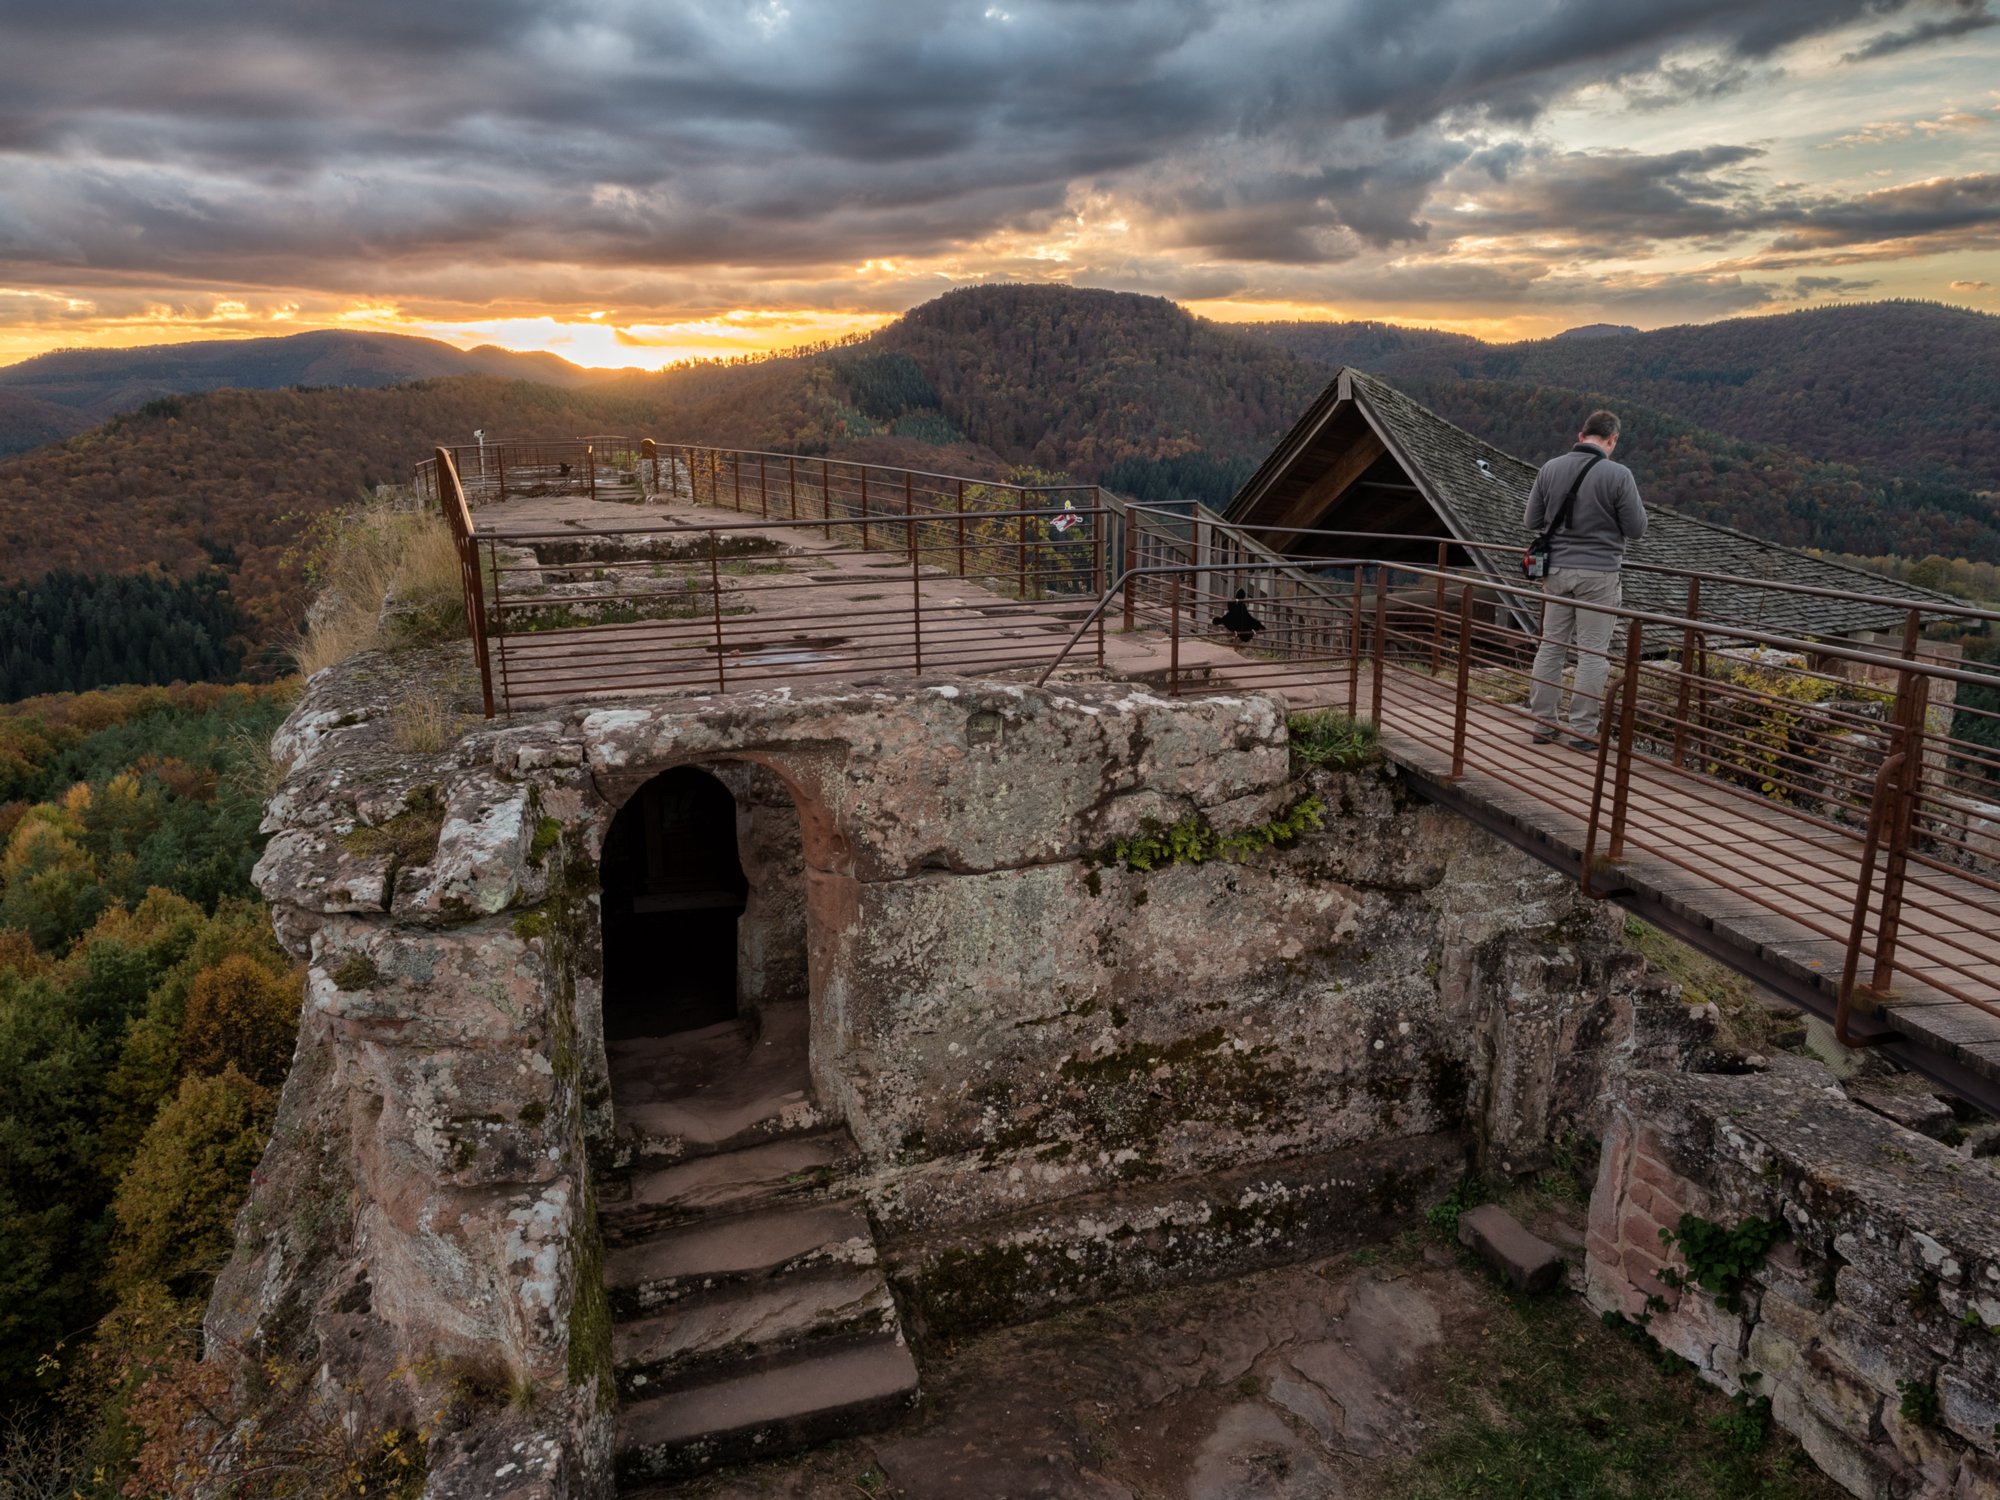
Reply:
x=1845, y=787
x=846, y=569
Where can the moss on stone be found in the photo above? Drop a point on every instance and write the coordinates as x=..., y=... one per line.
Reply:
x=590, y=1308
x=1130, y=1096
x=531, y=924
x=409, y=838
x=548, y=833
x=357, y=971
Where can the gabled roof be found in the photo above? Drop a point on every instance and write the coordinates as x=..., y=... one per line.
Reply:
x=1480, y=493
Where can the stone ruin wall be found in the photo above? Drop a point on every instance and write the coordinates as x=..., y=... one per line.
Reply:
x=1067, y=1078
x=1872, y=1326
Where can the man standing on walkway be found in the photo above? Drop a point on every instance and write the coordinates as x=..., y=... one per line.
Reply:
x=1591, y=507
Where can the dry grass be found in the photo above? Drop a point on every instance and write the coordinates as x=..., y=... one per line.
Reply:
x=425, y=721
x=390, y=550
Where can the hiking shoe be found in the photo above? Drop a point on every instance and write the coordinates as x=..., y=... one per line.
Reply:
x=1578, y=743
x=1543, y=735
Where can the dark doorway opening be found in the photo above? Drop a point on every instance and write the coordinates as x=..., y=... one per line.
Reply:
x=673, y=888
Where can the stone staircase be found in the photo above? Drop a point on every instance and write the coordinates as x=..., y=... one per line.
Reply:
x=751, y=1316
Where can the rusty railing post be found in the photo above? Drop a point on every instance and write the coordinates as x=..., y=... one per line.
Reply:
x=1380, y=642
x=1880, y=806
x=792, y=485
x=715, y=611
x=736, y=481
x=1174, y=639
x=763, y=489
x=1021, y=552
x=1690, y=648
x=826, y=496
x=500, y=466
x=1462, y=694
x=1628, y=718
x=910, y=516
x=961, y=528
x=590, y=467
x=864, y=507
x=1098, y=578
x=499, y=641
x=1131, y=562
x=917, y=612
x=1354, y=644
x=1437, y=611
x=1912, y=722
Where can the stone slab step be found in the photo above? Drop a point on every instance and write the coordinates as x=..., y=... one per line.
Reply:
x=737, y=1250
x=1531, y=1263
x=731, y=1182
x=718, y=1089
x=697, y=1342
x=769, y=1412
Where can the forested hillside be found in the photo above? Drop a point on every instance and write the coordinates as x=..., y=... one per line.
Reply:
x=1756, y=488
x=146, y=1022
x=1906, y=389
x=1128, y=391
x=1080, y=380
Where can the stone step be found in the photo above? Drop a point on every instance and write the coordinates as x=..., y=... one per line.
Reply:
x=797, y=1167
x=718, y=1089
x=836, y=1393
x=753, y=1328
x=737, y=1250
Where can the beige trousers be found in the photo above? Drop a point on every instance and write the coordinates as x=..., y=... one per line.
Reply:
x=1566, y=625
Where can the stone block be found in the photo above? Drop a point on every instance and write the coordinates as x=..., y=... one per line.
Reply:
x=1978, y=1478
x=1840, y=1394
x=1971, y=1406
x=1530, y=1263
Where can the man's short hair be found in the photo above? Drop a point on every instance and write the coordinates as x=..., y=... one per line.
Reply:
x=1601, y=424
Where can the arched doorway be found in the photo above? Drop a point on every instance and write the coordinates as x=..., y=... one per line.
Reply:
x=673, y=891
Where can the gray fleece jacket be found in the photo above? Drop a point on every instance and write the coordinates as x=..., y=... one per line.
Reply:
x=1606, y=516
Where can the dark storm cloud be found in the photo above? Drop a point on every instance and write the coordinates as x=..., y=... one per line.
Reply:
x=369, y=142
x=1973, y=16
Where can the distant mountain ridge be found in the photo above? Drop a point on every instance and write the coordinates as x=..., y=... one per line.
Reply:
x=1906, y=389
x=1130, y=391
x=54, y=395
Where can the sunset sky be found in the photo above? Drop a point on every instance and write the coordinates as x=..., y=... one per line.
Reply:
x=629, y=182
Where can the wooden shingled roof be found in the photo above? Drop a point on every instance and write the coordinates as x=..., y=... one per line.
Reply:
x=1479, y=493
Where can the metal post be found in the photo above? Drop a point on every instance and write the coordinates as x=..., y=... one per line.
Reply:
x=1021, y=554
x=792, y=480
x=500, y=465
x=1174, y=639
x=909, y=515
x=736, y=482
x=1912, y=719
x=715, y=600
x=1690, y=648
x=590, y=467
x=1463, y=694
x=826, y=496
x=1380, y=633
x=499, y=636
x=1099, y=581
x=1628, y=717
x=763, y=490
x=961, y=528
x=1354, y=644
x=1131, y=562
x=917, y=611
x=1437, y=611
x=864, y=507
